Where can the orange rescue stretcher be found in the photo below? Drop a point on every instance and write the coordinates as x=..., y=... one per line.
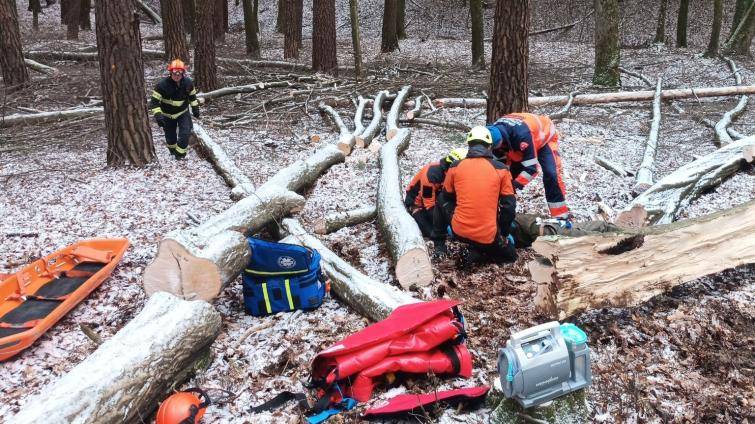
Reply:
x=33, y=299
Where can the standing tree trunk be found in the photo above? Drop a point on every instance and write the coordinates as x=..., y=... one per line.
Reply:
x=71, y=18
x=715, y=32
x=119, y=48
x=739, y=41
x=280, y=17
x=389, y=40
x=204, y=46
x=739, y=10
x=84, y=16
x=356, y=44
x=324, y=36
x=188, y=9
x=251, y=28
x=292, y=43
x=681, y=24
x=508, y=65
x=12, y=63
x=219, y=21
x=478, y=46
x=174, y=37
x=660, y=29
x=35, y=7
x=401, y=19
x=607, y=51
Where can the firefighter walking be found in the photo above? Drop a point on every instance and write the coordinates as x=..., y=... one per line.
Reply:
x=170, y=103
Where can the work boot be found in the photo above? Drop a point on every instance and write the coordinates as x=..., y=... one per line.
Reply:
x=440, y=251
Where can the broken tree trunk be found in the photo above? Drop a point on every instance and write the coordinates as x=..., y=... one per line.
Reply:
x=417, y=111
x=400, y=231
x=622, y=270
x=197, y=262
x=645, y=172
x=391, y=120
x=335, y=221
x=41, y=68
x=659, y=203
x=346, y=138
x=613, y=167
x=42, y=117
x=125, y=378
x=154, y=16
x=370, y=298
x=722, y=135
x=372, y=130
x=241, y=186
x=358, y=116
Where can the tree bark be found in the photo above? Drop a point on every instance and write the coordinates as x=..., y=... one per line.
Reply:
x=149, y=12
x=189, y=10
x=324, y=37
x=356, y=43
x=335, y=221
x=740, y=40
x=241, y=186
x=293, y=27
x=12, y=63
x=659, y=203
x=660, y=29
x=478, y=36
x=389, y=37
x=645, y=171
x=129, y=374
x=122, y=80
x=280, y=17
x=197, y=262
x=681, y=23
x=508, y=65
x=740, y=7
x=622, y=270
x=206, y=70
x=174, y=37
x=219, y=28
x=42, y=117
x=715, y=32
x=399, y=230
x=251, y=28
x=369, y=298
x=607, y=50
x=401, y=19
x=73, y=14
x=35, y=8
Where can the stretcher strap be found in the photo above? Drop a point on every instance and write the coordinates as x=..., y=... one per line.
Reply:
x=92, y=254
x=28, y=324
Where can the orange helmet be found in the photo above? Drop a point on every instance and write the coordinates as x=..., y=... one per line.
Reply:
x=183, y=408
x=177, y=65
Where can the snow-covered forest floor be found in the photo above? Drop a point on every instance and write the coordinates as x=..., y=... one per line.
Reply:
x=685, y=356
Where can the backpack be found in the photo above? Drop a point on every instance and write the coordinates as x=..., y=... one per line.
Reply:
x=282, y=277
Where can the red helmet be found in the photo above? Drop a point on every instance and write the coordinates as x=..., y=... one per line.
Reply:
x=177, y=65
x=183, y=408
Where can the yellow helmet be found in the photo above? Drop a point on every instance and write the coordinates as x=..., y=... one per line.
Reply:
x=480, y=133
x=458, y=153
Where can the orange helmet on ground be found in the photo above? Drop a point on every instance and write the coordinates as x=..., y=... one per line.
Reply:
x=183, y=408
x=177, y=65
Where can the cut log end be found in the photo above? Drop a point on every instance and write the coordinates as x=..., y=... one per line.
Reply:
x=414, y=269
x=321, y=227
x=361, y=142
x=749, y=153
x=175, y=270
x=391, y=133
x=346, y=147
x=542, y=272
x=636, y=217
x=375, y=146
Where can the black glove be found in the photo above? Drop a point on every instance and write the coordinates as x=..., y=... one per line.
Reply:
x=160, y=119
x=195, y=112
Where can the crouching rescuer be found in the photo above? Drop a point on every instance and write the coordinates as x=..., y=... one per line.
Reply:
x=170, y=103
x=478, y=201
x=422, y=192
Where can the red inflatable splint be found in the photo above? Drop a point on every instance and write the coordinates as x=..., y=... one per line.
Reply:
x=409, y=402
x=415, y=338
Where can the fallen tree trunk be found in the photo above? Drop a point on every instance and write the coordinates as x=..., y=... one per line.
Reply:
x=565, y=110
x=335, y=221
x=400, y=231
x=226, y=91
x=722, y=135
x=417, y=111
x=645, y=172
x=241, y=186
x=372, y=130
x=125, y=378
x=39, y=118
x=621, y=270
x=358, y=116
x=370, y=298
x=154, y=16
x=659, y=203
x=346, y=138
x=41, y=68
x=602, y=98
x=454, y=125
x=613, y=167
x=391, y=120
x=197, y=262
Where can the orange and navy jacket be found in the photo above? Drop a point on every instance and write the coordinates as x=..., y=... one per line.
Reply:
x=425, y=186
x=480, y=189
x=522, y=135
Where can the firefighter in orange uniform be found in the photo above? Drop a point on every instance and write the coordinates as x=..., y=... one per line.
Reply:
x=478, y=201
